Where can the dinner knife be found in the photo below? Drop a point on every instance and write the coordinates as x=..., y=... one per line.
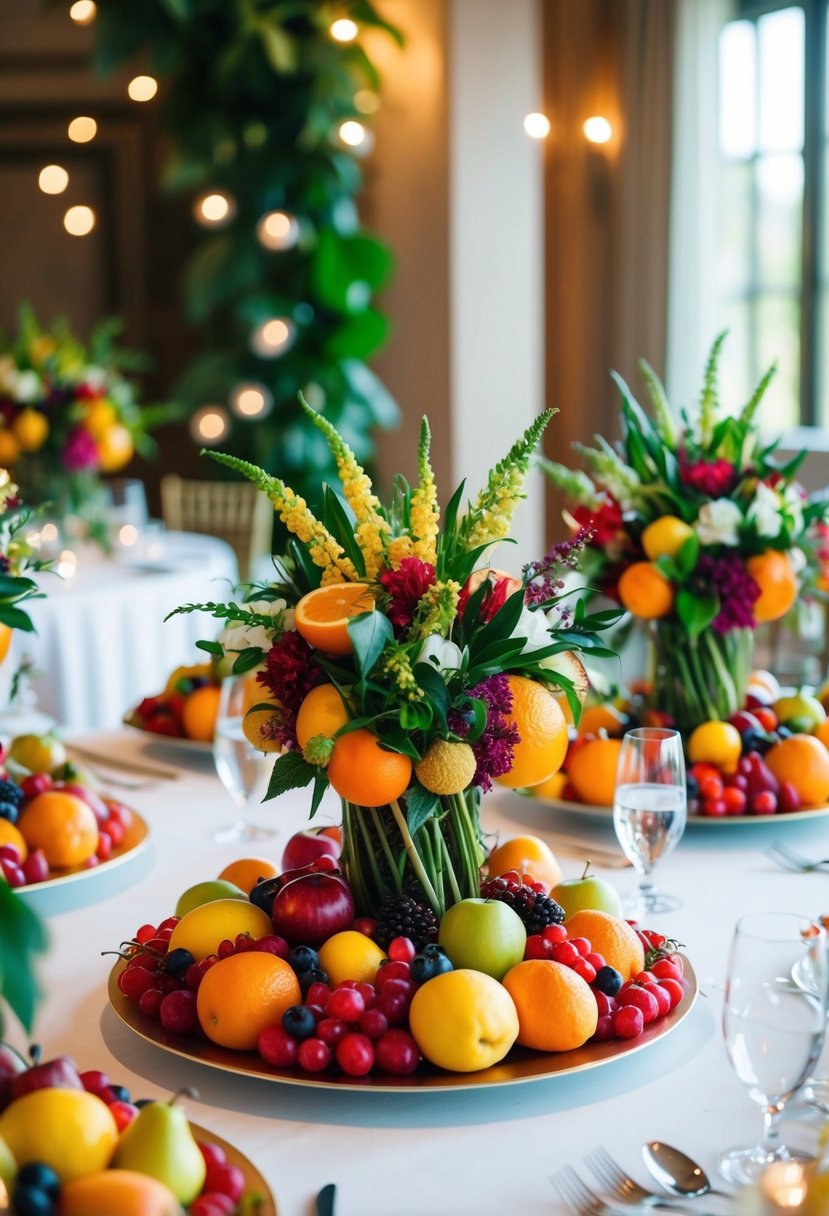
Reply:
x=325, y=1200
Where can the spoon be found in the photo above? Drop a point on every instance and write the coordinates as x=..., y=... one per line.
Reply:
x=676, y=1172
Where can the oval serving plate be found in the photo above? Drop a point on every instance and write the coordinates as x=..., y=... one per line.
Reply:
x=135, y=841
x=255, y=1184
x=173, y=741
x=606, y=813
x=521, y=1065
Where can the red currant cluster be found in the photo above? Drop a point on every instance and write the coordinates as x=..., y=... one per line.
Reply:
x=752, y=790
x=18, y=872
x=624, y=1008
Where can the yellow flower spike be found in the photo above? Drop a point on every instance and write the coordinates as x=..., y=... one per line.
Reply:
x=490, y=516
x=425, y=511
x=398, y=550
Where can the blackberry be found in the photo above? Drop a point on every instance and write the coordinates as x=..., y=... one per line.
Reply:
x=405, y=917
x=536, y=910
x=9, y=792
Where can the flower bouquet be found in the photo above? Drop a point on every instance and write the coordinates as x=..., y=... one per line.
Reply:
x=693, y=525
x=68, y=413
x=403, y=672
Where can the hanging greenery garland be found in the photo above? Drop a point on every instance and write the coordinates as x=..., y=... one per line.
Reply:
x=266, y=104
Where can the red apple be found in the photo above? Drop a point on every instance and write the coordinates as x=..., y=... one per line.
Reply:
x=59, y=1073
x=308, y=910
x=11, y=1065
x=305, y=847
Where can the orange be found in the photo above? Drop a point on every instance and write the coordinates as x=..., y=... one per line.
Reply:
x=262, y=726
x=665, y=537
x=716, y=743
x=772, y=572
x=115, y=448
x=100, y=417
x=645, y=592
x=556, y=1009
x=564, y=706
x=6, y=632
x=527, y=855
x=242, y=994
x=822, y=732
x=63, y=826
x=322, y=616
x=542, y=730
x=199, y=713
x=553, y=787
x=321, y=713
x=30, y=429
x=804, y=761
x=246, y=872
x=123, y=1191
x=611, y=937
x=362, y=772
x=9, y=834
x=592, y=771
x=602, y=717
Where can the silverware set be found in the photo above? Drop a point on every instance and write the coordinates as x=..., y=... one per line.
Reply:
x=790, y=860
x=620, y=1194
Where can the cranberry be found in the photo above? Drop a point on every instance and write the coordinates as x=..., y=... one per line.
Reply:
x=314, y=1055
x=277, y=1047
x=764, y=803
x=582, y=945
x=595, y=960
x=397, y=1053
x=711, y=789
x=402, y=950
x=735, y=800
x=538, y=947
x=585, y=970
x=226, y=1179
x=355, y=1054
x=394, y=1000
x=566, y=953
x=641, y=1000
x=178, y=1012
x=714, y=808
x=318, y=994
x=150, y=1002
x=674, y=990
x=604, y=1003
x=390, y=971
x=213, y=1153
x=604, y=1029
x=660, y=996
x=628, y=1021
x=373, y=1023
x=331, y=1030
x=554, y=933
x=145, y=934
x=666, y=970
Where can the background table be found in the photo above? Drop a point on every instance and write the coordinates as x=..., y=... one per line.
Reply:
x=102, y=643
x=465, y=1154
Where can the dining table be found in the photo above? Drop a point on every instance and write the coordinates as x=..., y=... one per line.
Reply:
x=472, y=1151
x=102, y=641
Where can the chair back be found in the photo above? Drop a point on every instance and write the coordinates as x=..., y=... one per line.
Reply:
x=236, y=512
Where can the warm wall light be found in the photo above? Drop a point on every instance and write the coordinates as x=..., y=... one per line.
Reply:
x=83, y=12
x=272, y=338
x=209, y=424
x=82, y=129
x=366, y=101
x=537, y=126
x=79, y=221
x=597, y=130
x=142, y=88
x=53, y=179
x=214, y=210
x=352, y=133
x=277, y=230
x=344, y=30
x=251, y=400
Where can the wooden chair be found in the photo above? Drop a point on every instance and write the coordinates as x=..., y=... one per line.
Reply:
x=235, y=512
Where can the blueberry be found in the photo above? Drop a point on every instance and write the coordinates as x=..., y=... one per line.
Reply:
x=120, y=1092
x=29, y=1201
x=431, y=949
x=264, y=893
x=608, y=980
x=299, y=1021
x=425, y=966
x=303, y=958
x=691, y=785
x=8, y=810
x=177, y=961
x=39, y=1176
x=314, y=975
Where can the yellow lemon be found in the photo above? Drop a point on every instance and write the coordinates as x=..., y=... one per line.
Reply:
x=201, y=930
x=350, y=956
x=100, y=417
x=115, y=448
x=30, y=429
x=716, y=743
x=68, y=1129
x=463, y=1020
x=9, y=448
x=665, y=536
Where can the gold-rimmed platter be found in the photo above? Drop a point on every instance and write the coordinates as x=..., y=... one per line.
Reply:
x=257, y=1194
x=176, y=742
x=520, y=1066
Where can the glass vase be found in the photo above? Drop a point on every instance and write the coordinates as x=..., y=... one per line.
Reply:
x=437, y=864
x=695, y=680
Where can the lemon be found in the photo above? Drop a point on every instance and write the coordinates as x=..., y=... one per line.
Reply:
x=30, y=429
x=665, y=537
x=447, y=768
x=68, y=1129
x=463, y=1020
x=9, y=448
x=351, y=956
x=100, y=416
x=201, y=930
x=38, y=753
x=115, y=448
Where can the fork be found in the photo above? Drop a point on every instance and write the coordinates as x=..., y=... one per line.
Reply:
x=624, y=1189
x=577, y=1197
x=790, y=860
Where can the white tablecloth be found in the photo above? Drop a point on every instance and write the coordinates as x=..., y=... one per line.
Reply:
x=456, y=1154
x=102, y=643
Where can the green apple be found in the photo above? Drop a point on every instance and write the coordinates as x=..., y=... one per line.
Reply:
x=205, y=893
x=577, y=894
x=800, y=712
x=483, y=935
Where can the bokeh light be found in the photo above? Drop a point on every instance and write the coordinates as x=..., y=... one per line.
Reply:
x=142, y=88
x=273, y=337
x=214, y=210
x=79, y=220
x=209, y=425
x=251, y=399
x=82, y=129
x=53, y=179
x=537, y=125
x=344, y=29
x=277, y=230
x=597, y=130
x=83, y=12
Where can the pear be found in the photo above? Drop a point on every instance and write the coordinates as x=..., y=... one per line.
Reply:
x=159, y=1142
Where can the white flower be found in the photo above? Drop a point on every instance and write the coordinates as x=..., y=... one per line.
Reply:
x=24, y=386
x=718, y=522
x=534, y=627
x=440, y=652
x=793, y=509
x=238, y=636
x=765, y=511
x=798, y=559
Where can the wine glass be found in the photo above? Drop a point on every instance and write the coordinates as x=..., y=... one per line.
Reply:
x=649, y=808
x=242, y=769
x=774, y=1020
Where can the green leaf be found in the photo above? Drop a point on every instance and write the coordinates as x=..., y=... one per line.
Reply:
x=696, y=611
x=23, y=936
x=359, y=336
x=433, y=684
x=346, y=270
x=369, y=634
x=416, y=715
x=246, y=660
x=421, y=805
x=320, y=786
x=16, y=618
x=290, y=772
x=211, y=648
x=687, y=556
x=280, y=48
x=338, y=523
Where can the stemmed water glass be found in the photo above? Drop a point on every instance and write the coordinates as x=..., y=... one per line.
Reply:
x=242, y=769
x=649, y=808
x=774, y=1020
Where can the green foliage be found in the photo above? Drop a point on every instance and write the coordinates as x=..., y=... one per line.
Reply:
x=254, y=92
x=22, y=938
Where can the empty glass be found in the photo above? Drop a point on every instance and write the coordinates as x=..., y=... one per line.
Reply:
x=242, y=769
x=650, y=808
x=774, y=1020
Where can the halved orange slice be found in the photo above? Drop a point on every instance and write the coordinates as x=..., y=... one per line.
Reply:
x=322, y=616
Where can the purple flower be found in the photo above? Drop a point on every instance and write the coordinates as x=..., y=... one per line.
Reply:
x=543, y=581
x=736, y=590
x=81, y=451
x=494, y=749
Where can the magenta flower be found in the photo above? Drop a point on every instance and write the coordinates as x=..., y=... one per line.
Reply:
x=495, y=748
x=81, y=451
x=714, y=478
x=406, y=586
x=737, y=591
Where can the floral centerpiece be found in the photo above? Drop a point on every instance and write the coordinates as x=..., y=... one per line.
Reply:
x=68, y=412
x=693, y=524
x=403, y=672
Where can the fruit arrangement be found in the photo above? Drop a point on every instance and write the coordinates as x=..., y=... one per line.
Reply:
x=282, y=966
x=74, y=1142
x=187, y=707
x=771, y=757
x=52, y=818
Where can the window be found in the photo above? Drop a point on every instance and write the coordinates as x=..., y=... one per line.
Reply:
x=772, y=253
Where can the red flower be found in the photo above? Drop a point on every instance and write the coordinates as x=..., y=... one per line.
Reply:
x=714, y=478
x=406, y=586
x=604, y=520
x=291, y=671
x=499, y=588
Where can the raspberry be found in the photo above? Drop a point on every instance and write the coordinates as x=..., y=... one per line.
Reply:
x=536, y=910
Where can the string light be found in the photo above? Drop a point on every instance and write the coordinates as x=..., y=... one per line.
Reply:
x=277, y=230
x=272, y=338
x=67, y=565
x=49, y=533
x=83, y=12
x=597, y=130
x=352, y=133
x=214, y=210
x=53, y=179
x=251, y=399
x=366, y=101
x=142, y=88
x=537, y=125
x=344, y=30
x=82, y=129
x=79, y=221
x=127, y=535
x=209, y=424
